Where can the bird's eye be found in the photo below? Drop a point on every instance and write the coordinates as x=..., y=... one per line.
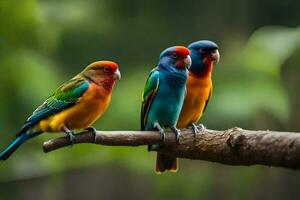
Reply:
x=202, y=50
x=106, y=69
x=175, y=56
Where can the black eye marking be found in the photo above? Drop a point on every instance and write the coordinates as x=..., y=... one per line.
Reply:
x=106, y=69
x=175, y=55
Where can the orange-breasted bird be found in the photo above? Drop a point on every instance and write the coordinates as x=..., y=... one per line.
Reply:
x=199, y=85
x=76, y=104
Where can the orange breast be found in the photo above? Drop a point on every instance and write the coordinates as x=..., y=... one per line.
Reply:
x=82, y=115
x=198, y=91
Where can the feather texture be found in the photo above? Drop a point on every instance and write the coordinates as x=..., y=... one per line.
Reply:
x=64, y=97
x=150, y=90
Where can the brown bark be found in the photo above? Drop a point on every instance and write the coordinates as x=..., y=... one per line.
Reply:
x=233, y=147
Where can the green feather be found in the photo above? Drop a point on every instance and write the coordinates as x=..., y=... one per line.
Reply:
x=150, y=90
x=64, y=97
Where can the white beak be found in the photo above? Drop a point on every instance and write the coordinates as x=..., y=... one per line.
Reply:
x=117, y=75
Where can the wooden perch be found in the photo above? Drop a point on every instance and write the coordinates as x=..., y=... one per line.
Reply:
x=233, y=147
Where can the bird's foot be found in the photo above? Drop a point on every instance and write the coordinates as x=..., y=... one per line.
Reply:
x=93, y=131
x=177, y=133
x=161, y=131
x=70, y=134
x=195, y=129
x=201, y=127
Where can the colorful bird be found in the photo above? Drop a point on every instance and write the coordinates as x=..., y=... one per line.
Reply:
x=163, y=98
x=199, y=85
x=77, y=104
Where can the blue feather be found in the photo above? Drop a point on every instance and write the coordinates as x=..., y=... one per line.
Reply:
x=13, y=146
x=198, y=50
x=163, y=99
x=168, y=97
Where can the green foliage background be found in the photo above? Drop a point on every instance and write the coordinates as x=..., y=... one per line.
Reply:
x=256, y=86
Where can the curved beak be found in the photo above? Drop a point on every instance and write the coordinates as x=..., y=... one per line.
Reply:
x=215, y=56
x=184, y=62
x=188, y=62
x=117, y=75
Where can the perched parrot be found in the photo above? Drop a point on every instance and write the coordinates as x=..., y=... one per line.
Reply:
x=163, y=98
x=199, y=85
x=77, y=104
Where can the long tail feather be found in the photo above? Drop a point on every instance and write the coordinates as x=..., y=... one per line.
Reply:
x=166, y=163
x=13, y=146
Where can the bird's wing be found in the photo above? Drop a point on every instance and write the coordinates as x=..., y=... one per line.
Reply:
x=206, y=102
x=150, y=90
x=64, y=97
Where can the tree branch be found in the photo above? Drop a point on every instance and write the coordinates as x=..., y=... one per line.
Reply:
x=233, y=147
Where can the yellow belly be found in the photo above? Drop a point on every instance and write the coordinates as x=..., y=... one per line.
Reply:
x=198, y=91
x=82, y=115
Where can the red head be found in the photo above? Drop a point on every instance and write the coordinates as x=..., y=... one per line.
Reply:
x=103, y=73
x=184, y=59
x=178, y=55
x=103, y=70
